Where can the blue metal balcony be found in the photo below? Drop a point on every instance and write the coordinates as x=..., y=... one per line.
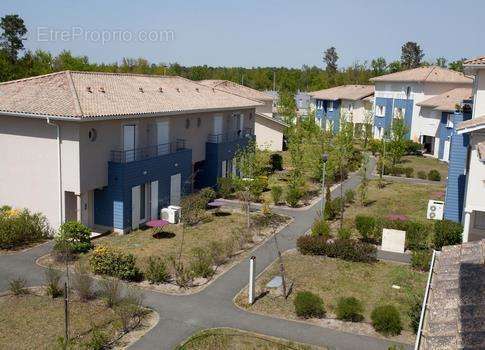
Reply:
x=144, y=153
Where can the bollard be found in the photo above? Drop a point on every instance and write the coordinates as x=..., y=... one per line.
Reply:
x=251, y=295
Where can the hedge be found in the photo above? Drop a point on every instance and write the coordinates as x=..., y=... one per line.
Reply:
x=345, y=249
x=19, y=227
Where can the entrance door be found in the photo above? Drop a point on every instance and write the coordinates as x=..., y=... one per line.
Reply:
x=129, y=142
x=163, y=137
x=175, y=189
x=135, y=207
x=154, y=200
x=446, y=151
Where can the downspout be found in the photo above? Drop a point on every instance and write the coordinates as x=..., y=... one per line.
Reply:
x=59, y=168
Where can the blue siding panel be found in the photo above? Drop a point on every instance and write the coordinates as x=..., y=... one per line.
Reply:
x=112, y=204
x=455, y=187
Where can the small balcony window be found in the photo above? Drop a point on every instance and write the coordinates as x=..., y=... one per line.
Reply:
x=449, y=121
x=380, y=111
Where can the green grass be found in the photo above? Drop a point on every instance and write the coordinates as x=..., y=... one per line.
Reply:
x=35, y=322
x=223, y=338
x=334, y=278
x=425, y=164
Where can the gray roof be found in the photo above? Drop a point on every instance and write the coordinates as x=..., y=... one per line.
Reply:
x=455, y=317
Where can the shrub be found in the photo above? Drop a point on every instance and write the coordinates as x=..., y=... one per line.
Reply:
x=110, y=289
x=82, y=282
x=332, y=208
x=110, y=262
x=208, y=194
x=53, y=280
x=183, y=276
x=345, y=249
x=156, y=271
x=349, y=196
x=129, y=309
x=396, y=171
x=219, y=251
x=417, y=234
x=276, y=194
x=293, y=195
x=74, y=238
x=349, y=309
x=386, y=320
x=412, y=147
x=98, y=340
x=369, y=228
x=225, y=187
x=257, y=187
x=20, y=227
x=434, y=175
x=276, y=161
x=308, y=305
x=408, y=171
x=320, y=228
x=414, y=312
x=422, y=175
x=193, y=208
x=201, y=263
x=447, y=232
x=18, y=286
x=421, y=259
x=344, y=233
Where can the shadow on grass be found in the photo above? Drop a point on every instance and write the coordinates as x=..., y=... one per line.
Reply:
x=222, y=213
x=163, y=235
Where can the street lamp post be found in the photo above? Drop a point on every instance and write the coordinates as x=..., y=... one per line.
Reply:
x=325, y=159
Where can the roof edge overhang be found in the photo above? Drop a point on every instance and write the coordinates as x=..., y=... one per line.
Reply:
x=121, y=116
x=470, y=129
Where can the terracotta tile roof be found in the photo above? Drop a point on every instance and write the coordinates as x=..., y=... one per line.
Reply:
x=472, y=123
x=475, y=61
x=430, y=74
x=84, y=95
x=448, y=100
x=346, y=92
x=238, y=89
x=455, y=315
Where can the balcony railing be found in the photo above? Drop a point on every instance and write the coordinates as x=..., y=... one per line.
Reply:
x=147, y=152
x=230, y=136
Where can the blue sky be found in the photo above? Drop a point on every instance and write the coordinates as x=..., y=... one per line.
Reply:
x=254, y=33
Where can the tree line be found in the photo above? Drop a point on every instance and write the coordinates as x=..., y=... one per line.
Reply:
x=16, y=63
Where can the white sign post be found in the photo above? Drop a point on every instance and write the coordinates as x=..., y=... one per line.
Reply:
x=251, y=295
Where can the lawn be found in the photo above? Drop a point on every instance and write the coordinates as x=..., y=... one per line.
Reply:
x=397, y=197
x=143, y=244
x=36, y=321
x=335, y=278
x=223, y=338
x=419, y=163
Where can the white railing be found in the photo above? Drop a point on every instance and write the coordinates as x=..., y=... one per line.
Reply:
x=425, y=302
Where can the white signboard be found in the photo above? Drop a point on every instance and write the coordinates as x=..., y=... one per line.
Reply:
x=393, y=240
x=435, y=210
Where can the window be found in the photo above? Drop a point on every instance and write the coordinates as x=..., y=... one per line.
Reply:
x=351, y=107
x=187, y=123
x=449, y=121
x=380, y=111
x=199, y=122
x=408, y=92
x=330, y=106
x=399, y=113
x=479, y=220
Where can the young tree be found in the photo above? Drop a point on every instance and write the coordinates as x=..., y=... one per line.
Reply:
x=11, y=40
x=287, y=106
x=330, y=58
x=394, y=66
x=397, y=144
x=367, y=131
x=411, y=55
x=457, y=65
x=378, y=65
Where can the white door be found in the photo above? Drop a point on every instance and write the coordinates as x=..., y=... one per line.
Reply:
x=129, y=142
x=446, y=151
x=224, y=169
x=218, y=124
x=175, y=189
x=154, y=200
x=241, y=122
x=163, y=137
x=135, y=207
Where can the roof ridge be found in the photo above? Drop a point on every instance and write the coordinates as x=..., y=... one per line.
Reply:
x=33, y=77
x=77, y=103
x=125, y=74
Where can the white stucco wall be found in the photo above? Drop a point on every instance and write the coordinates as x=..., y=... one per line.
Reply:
x=475, y=192
x=357, y=109
x=269, y=135
x=479, y=94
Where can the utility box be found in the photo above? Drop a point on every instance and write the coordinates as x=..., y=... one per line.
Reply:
x=435, y=210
